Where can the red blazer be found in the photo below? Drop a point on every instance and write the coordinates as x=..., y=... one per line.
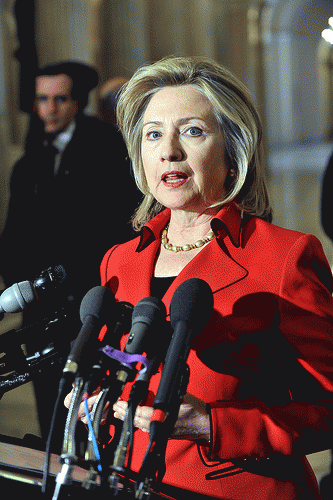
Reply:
x=263, y=363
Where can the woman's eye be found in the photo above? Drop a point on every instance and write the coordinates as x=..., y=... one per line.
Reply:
x=153, y=134
x=194, y=131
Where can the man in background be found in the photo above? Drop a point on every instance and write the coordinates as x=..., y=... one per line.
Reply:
x=71, y=198
x=108, y=96
x=72, y=194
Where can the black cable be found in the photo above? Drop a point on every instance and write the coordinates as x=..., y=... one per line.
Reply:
x=47, y=455
x=131, y=438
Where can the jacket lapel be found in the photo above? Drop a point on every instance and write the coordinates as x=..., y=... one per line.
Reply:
x=212, y=264
x=135, y=276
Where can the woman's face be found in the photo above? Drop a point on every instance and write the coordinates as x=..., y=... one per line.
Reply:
x=183, y=151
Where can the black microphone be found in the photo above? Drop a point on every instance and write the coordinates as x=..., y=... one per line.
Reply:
x=17, y=297
x=148, y=316
x=124, y=311
x=101, y=363
x=97, y=307
x=190, y=310
x=148, y=319
x=147, y=335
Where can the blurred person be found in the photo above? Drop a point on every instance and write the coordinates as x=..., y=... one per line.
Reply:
x=107, y=102
x=326, y=207
x=64, y=193
x=326, y=211
x=260, y=389
x=66, y=185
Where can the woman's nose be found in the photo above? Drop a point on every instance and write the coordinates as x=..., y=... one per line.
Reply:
x=172, y=150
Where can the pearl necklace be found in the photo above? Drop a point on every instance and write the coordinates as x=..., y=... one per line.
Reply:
x=185, y=248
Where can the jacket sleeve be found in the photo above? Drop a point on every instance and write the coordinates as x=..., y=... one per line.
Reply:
x=304, y=424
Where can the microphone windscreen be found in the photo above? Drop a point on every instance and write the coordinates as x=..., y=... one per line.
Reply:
x=124, y=312
x=97, y=303
x=148, y=316
x=97, y=307
x=150, y=310
x=192, y=302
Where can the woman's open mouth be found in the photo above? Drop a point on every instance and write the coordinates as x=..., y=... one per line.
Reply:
x=174, y=179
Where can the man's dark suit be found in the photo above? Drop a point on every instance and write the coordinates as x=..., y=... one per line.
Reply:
x=67, y=220
x=71, y=219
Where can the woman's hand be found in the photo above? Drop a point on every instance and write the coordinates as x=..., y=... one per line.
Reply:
x=192, y=423
x=91, y=400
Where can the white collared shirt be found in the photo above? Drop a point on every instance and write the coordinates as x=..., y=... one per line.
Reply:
x=61, y=142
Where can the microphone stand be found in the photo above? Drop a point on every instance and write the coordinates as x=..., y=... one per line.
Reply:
x=105, y=395
x=90, y=481
x=30, y=366
x=125, y=374
x=161, y=426
x=138, y=393
x=68, y=455
x=25, y=368
x=13, y=356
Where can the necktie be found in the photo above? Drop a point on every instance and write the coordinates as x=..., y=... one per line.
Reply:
x=50, y=154
x=45, y=179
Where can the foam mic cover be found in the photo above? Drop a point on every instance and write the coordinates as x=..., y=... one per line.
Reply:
x=97, y=308
x=192, y=303
x=190, y=310
x=18, y=296
x=148, y=319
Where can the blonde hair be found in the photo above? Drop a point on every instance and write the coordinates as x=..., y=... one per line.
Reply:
x=235, y=112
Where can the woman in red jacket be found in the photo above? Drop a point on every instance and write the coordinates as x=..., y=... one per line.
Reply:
x=260, y=390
